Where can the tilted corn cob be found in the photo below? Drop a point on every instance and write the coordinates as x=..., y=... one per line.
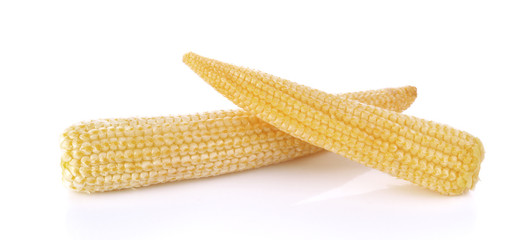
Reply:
x=110, y=154
x=426, y=153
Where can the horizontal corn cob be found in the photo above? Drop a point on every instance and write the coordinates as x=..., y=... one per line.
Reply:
x=429, y=154
x=112, y=154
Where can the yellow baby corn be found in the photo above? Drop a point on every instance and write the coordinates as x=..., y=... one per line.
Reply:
x=426, y=153
x=110, y=154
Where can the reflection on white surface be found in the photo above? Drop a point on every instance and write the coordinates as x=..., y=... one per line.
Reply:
x=320, y=196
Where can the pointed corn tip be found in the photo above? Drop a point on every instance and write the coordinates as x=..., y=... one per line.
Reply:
x=189, y=59
x=407, y=90
x=413, y=90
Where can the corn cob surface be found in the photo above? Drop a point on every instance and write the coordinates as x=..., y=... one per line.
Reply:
x=111, y=154
x=429, y=154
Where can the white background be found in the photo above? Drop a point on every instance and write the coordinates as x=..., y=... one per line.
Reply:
x=62, y=62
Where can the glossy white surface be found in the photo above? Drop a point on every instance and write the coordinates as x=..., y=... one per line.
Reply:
x=65, y=61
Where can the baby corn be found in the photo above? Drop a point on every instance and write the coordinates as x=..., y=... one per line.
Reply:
x=111, y=154
x=429, y=154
